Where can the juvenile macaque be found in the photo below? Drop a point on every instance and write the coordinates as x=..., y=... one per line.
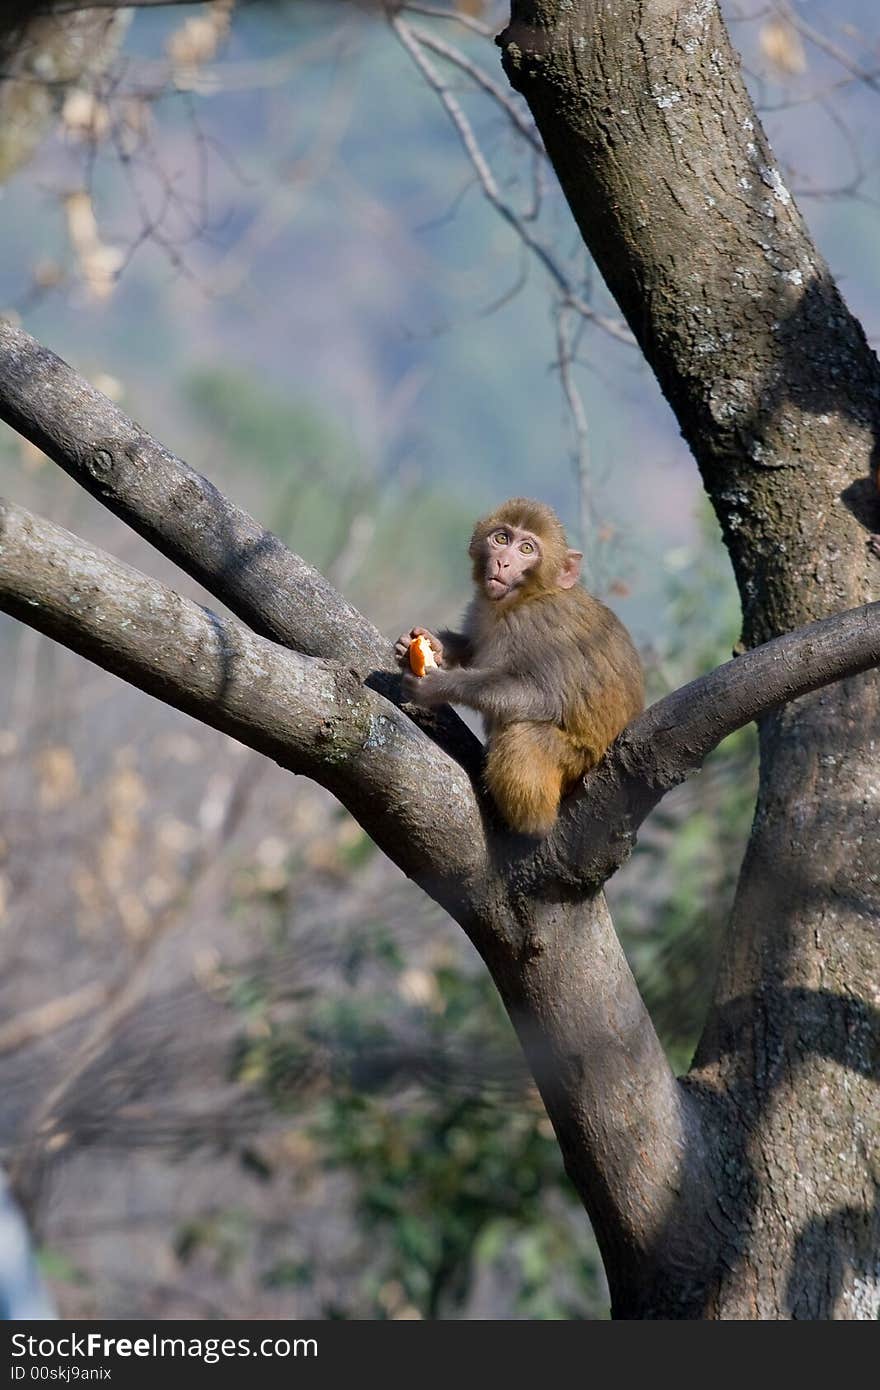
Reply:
x=551, y=669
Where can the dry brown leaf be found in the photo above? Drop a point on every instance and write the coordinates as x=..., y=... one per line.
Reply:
x=782, y=47
x=419, y=987
x=197, y=40
x=58, y=779
x=84, y=117
x=98, y=263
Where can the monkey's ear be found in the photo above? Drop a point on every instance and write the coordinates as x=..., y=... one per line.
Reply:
x=570, y=572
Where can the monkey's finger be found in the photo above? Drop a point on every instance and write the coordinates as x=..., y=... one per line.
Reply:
x=434, y=642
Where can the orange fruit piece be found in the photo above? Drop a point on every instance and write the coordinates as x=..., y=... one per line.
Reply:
x=421, y=657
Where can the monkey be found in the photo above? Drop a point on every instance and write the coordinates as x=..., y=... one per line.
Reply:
x=552, y=670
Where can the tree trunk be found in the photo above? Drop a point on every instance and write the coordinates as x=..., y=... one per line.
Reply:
x=591, y=1048
x=676, y=191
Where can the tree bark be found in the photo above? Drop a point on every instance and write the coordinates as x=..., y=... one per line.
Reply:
x=674, y=186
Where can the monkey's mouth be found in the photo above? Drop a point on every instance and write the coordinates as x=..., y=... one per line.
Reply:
x=496, y=588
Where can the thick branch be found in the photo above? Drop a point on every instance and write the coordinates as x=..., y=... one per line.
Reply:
x=631, y=1140
x=677, y=733
x=177, y=510
x=311, y=716
x=670, y=741
x=183, y=515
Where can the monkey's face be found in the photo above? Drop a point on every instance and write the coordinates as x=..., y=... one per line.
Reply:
x=519, y=551
x=510, y=555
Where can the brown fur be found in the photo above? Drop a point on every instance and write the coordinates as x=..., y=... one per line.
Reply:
x=528, y=768
x=551, y=669
x=562, y=643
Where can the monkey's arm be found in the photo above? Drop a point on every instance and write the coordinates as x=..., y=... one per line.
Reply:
x=498, y=694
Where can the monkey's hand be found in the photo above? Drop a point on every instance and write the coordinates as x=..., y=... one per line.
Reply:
x=401, y=646
x=427, y=690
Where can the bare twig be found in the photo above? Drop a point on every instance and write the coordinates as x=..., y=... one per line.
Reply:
x=459, y=16
x=521, y=121
x=116, y=1002
x=492, y=192
x=577, y=411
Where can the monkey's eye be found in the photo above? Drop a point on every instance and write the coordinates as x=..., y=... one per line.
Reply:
x=501, y=538
x=527, y=548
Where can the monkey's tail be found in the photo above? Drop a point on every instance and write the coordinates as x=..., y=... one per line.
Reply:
x=527, y=767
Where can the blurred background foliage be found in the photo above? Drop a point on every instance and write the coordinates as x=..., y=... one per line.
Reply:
x=250, y=1071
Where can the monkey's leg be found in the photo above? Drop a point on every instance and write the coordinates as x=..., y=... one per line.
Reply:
x=526, y=769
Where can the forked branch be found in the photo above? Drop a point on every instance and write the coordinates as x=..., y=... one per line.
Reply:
x=247, y=568
x=311, y=716
x=672, y=739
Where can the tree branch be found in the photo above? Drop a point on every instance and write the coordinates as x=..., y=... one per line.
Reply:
x=187, y=518
x=671, y=740
x=177, y=510
x=309, y=715
x=410, y=40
